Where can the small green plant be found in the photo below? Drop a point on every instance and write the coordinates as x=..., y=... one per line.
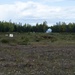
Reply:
x=24, y=41
x=22, y=37
x=5, y=41
x=53, y=39
x=38, y=38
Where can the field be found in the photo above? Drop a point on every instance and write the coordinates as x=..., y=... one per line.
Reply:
x=37, y=54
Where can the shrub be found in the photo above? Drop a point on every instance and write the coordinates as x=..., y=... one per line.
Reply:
x=38, y=38
x=24, y=41
x=22, y=37
x=5, y=41
x=53, y=39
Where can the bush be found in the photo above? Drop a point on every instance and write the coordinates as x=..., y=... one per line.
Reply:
x=38, y=38
x=53, y=39
x=5, y=41
x=24, y=41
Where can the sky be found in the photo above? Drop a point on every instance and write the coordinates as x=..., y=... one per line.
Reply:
x=37, y=11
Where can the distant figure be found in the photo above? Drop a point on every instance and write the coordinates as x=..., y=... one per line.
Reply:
x=49, y=30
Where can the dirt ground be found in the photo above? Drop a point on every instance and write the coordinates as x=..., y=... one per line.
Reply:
x=37, y=60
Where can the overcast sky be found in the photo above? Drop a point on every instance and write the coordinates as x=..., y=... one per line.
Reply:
x=37, y=11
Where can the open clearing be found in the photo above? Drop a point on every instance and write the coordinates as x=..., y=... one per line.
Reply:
x=37, y=60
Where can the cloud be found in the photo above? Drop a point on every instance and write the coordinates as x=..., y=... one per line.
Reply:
x=34, y=10
x=7, y=11
x=27, y=9
x=53, y=0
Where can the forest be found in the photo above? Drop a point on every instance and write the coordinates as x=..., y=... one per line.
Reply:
x=14, y=27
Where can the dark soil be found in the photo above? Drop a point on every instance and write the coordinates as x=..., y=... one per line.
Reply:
x=37, y=60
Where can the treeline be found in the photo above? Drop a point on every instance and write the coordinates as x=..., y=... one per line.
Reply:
x=14, y=27
x=63, y=27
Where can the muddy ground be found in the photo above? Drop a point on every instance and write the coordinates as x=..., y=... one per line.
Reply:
x=37, y=60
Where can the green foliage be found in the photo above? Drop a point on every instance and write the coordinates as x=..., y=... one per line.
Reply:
x=5, y=41
x=13, y=27
x=24, y=41
x=63, y=27
x=38, y=38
